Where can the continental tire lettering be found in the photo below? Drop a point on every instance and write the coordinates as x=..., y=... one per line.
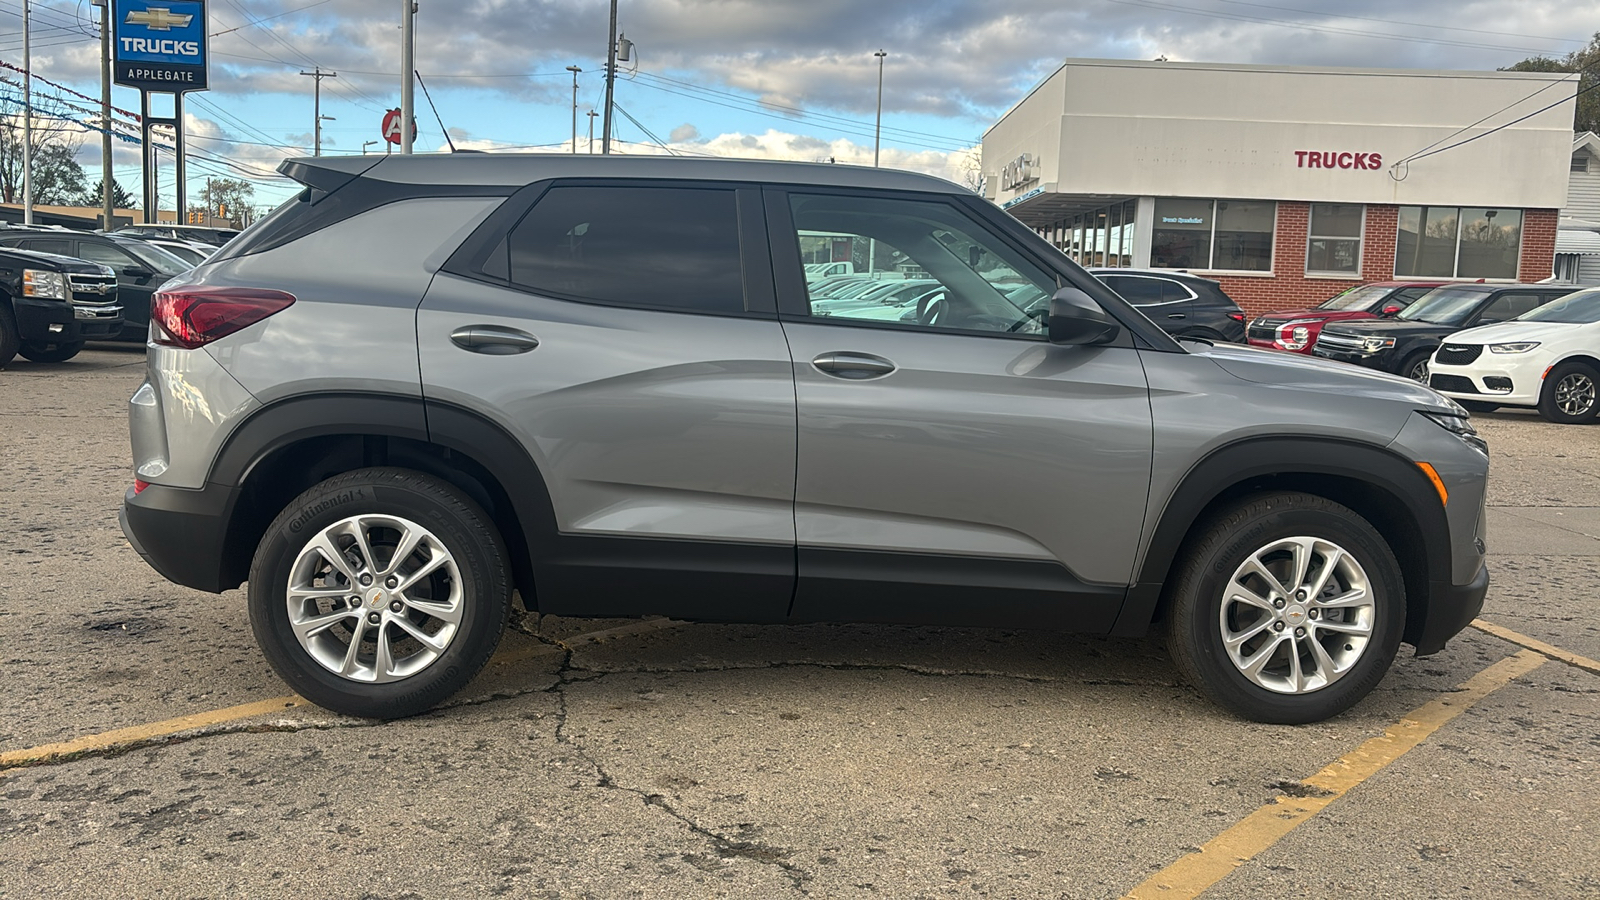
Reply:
x=310, y=512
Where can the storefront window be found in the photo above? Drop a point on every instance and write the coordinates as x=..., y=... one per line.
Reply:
x=1114, y=236
x=1129, y=212
x=1334, y=244
x=1213, y=234
x=1447, y=242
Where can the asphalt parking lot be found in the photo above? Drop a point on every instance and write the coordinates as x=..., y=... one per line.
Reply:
x=147, y=750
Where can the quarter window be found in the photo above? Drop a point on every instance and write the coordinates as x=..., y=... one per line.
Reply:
x=668, y=248
x=1228, y=235
x=1456, y=242
x=1334, y=241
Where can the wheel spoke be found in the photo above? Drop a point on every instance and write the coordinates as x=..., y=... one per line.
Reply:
x=311, y=626
x=1329, y=563
x=444, y=612
x=1253, y=666
x=1356, y=628
x=423, y=638
x=1235, y=641
x=318, y=593
x=1302, y=550
x=439, y=558
x=329, y=551
x=1238, y=592
x=383, y=666
x=1355, y=597
x=357, y=529
x=1253, y=565
x=409, y=540
x=1297, y=677
x=348, y=667
x=1325, y=664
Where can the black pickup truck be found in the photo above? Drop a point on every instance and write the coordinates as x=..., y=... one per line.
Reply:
x=50, y=305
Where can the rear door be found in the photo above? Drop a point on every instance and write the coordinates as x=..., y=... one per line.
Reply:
x=954, y=466
x=1167, y=302
x=625, y=334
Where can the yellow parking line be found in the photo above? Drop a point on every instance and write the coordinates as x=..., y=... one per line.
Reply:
x=108, y=739
x=1195, y=873
x=1538, y=646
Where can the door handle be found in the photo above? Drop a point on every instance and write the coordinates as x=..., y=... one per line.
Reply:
x=1177, y=316
x=495, y=340
x=855, y=366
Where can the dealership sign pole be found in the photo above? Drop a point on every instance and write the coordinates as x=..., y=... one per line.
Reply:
x=160, y=47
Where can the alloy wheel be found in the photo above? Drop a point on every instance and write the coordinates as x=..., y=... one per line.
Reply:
x=1575, y=394
x=1298, y=615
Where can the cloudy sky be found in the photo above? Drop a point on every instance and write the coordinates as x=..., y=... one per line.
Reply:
x=768, y=78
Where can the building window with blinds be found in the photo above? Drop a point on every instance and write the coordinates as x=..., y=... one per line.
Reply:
x=1217, y=235
x=1333, y=244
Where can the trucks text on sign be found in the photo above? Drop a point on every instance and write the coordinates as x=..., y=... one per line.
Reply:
x=1334, y=159
x=160, y=45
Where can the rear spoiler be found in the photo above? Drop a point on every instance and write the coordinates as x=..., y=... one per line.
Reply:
x=326, y=174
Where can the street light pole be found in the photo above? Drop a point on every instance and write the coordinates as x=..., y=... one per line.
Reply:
x=408, y=68
x=592, y=116
x=574, y=70
x=27, y=115
x=877, y=131
x=107, y=195
x=611, y=79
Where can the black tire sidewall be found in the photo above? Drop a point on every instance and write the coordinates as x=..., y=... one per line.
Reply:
x=1410, y=363
x=1547, y=395
x=455, y=520
x=10, y=337
x=1226, y=545
x=36, y=351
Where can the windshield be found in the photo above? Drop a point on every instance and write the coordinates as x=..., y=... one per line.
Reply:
x=1357, y=298
x=1582, y=308
x=1443, y=306
x=163, y=262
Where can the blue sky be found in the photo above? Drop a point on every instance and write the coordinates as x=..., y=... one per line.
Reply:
x=763, y=78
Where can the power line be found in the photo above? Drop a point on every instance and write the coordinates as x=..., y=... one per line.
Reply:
x=1413, y=158
x=647, y=132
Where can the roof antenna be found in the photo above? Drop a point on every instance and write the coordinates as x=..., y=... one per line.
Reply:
x=435, y=112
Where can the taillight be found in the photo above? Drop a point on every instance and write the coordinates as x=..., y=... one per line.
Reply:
x=193, y=316
x=139, y=485
x=1237, y=317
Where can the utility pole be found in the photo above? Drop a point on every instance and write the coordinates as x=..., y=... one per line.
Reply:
x=316, y=106
x=592, y=116
x=408, y=68
x=611, y=79
x=877, y=131
x=107, y=193
x=27, y=116
x=574, y=70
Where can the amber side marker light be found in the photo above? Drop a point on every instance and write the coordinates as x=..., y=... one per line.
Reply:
x=1438, y=483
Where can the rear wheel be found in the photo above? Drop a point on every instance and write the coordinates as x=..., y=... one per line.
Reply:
x=10, y=337
x=38, y=351
x=379, y=593
x=1569, y=396
x=1286, y=608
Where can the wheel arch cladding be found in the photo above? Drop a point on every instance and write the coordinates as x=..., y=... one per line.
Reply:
x=1388, y=491
x=287, y=447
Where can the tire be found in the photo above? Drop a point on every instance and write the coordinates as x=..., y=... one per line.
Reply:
x=1266, y=528
x=1571, y=394
x=1415, y=366
x=50, y=353
x=1478, y=406
x=10, y=337
x=460, y=599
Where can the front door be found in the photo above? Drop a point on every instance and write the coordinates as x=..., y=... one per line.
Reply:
x=625, y=335
x=954, y=466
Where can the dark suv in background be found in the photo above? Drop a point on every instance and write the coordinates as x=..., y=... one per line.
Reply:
x=1404, y=344
x=140, y=267
x=1297, y=330
x=1183, y=305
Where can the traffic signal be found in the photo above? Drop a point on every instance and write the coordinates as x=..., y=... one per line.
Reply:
x=222, y=210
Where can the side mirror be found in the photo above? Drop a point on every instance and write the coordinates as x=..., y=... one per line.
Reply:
x=1076, y=319
x=1392, y=309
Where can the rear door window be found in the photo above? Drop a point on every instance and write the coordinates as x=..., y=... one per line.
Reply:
x=1510, y=305
x=672, y=248
x=49, y=245
x=1139, y=291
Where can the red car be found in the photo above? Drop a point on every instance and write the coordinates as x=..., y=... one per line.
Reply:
x=1296, y=330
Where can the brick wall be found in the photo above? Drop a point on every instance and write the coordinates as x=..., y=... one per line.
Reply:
x=1289, y=288
x=1538, y=245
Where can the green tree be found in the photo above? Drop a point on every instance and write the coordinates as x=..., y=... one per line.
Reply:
x=232, y=194
x=120, y=198
x=57, y=177
x=1587, y=60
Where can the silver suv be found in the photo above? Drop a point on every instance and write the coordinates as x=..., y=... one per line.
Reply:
x=429, y=382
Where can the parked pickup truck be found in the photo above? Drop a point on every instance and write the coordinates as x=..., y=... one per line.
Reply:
x=50, y=305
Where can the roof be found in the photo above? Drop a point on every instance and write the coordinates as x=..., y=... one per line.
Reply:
x=1175, y=274
x=1589, y=141
x=1574, y=240
x=516, y=169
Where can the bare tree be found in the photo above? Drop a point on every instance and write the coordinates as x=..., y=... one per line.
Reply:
x=55, y=143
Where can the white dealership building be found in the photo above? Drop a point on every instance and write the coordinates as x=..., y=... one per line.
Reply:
x=1290, y=183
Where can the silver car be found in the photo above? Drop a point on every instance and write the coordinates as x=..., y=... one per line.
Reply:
x=430, y=384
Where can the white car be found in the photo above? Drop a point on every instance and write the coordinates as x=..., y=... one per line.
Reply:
x=1547, y=359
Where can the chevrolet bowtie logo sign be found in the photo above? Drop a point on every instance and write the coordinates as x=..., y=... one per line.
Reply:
x=158, y=18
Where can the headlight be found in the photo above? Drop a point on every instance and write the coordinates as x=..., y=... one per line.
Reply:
x=1460, y=426
x=1373, y=345
x=1514, y=347
x=1294, y=335
x=44, y=285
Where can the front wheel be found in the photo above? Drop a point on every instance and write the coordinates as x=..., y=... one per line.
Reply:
x=1286, y=608
x=41, y=352
x=1569, y=395
x=1415, y=367
x=379, y=593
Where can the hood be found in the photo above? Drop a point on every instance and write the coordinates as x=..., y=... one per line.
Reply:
x=1501, y=332
x=1314, y=315
x=1390, y=328
x=1308, y=373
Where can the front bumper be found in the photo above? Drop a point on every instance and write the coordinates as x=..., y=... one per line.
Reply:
x=1451, y=608
x=1471, y=382
x=1379, y=360
x=60, y=322
x=182, y=533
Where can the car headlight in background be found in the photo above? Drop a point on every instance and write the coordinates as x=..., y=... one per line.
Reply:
x=1513, y=347
x=1294, y=335
x=1373, y=345
x=44, y=285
